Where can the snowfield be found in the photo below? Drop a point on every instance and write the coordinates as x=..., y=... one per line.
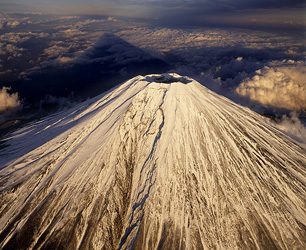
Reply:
x=159, y=162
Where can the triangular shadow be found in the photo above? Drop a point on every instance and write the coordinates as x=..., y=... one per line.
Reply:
x=109, y=62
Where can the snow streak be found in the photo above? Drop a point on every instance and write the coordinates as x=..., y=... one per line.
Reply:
x=159, y=162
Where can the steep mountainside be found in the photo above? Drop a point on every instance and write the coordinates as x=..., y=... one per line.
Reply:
x=159, y=162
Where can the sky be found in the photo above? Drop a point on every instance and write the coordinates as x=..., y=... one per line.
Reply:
x=270, y=13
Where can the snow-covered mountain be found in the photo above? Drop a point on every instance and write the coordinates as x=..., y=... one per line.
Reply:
x=160, y=162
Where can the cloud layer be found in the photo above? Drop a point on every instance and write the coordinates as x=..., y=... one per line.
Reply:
x=280, y=85
x=291, y=125
x=9, y=103
x=179, y=13
x=51, y=55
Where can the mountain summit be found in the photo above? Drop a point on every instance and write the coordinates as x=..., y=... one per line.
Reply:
x=160, y=162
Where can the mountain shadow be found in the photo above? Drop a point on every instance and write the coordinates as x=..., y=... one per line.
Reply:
x=109, y=62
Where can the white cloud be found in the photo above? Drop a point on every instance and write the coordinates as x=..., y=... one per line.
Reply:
x=8, y=102
x=15, y=38
x=55, y=51
x=292, y=126
x=13, y=50
x=166, y=39
x=73, y=32
x=280, y=85
x=113, y=19
x=13, y=24
x=65, y=59
x=219, y=58
x=68, y=17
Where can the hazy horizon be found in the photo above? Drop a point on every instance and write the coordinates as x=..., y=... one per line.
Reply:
x=180, y=13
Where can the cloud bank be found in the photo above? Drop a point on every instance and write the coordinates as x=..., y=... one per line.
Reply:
x=9, y=103
x=260, y=69
x=280, y=84
x=279, y=14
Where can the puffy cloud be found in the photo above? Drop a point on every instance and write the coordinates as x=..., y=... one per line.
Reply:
x=68, y=17
x=8, y=102
x=225, y=56
x=223, y=59
x=55, y=51
x=41, y=35
x=14, y=50
x=2, y=52
x=280, y=85
x=15, y=38
x=72, y=32
x=65, y=59
x=220, y=58
x=13, y=24
x=11, y=49
x=113, y=19
x=77, y=28
x=11, y=42
x=206, y=39
x=291, y=125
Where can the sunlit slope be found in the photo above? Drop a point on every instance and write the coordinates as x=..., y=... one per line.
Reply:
x=160, y=162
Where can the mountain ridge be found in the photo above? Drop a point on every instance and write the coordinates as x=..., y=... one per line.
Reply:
x=158, y=162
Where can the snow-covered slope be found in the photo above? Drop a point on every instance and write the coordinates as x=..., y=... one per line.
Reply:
x=159, y=162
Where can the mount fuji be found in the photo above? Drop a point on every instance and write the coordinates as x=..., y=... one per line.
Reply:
x=159, y=162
